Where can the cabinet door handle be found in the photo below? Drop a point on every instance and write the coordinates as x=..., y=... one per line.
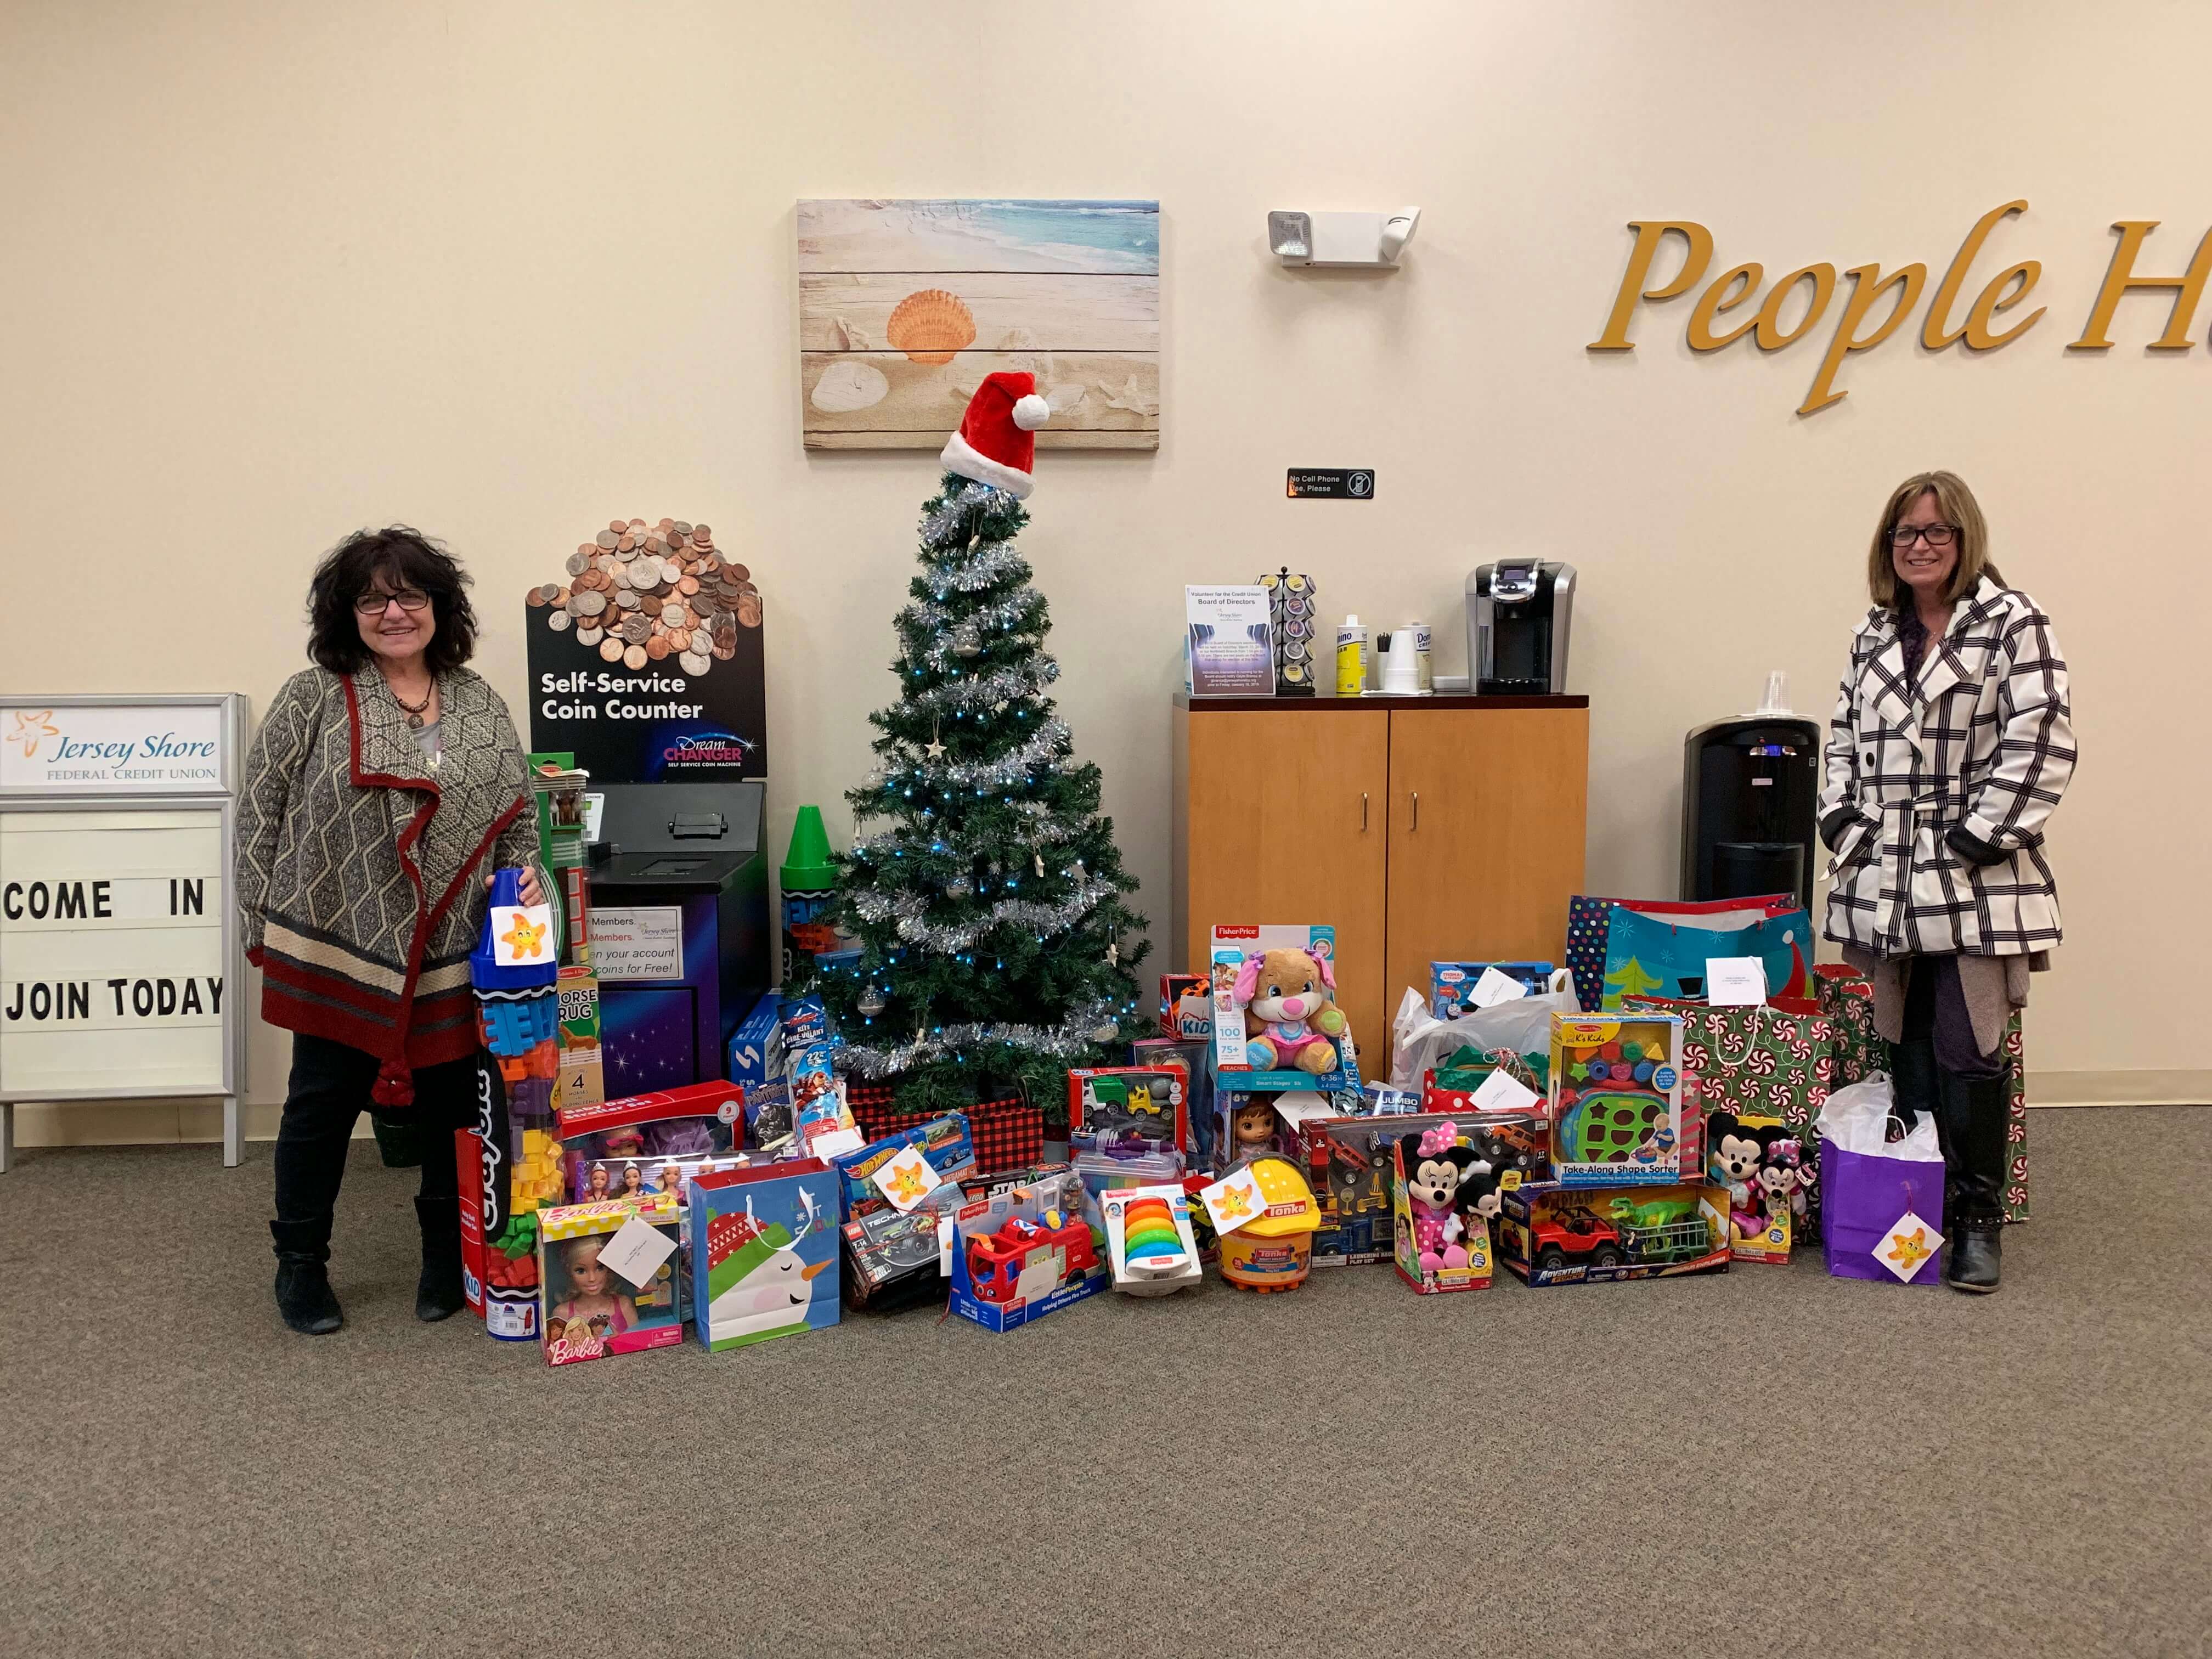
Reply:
x=1417, y=809
x=1363, y=812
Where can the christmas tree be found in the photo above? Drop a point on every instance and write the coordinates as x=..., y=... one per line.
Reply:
x=997, y=949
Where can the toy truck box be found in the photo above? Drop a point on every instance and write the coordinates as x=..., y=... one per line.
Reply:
x=1450, y=983
x=943, y=1141
x=1554, y=1234
x=1022, y=1254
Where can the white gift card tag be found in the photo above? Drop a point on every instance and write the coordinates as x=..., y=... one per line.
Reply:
x=1908, y=1246
x=1233, y=1200
x=1039, y=1276
x=1494, y=988
x=636, y=1251
x=1304, y=1106
x=946, y=1230
x=906, y=1180
x=1501, y=1092
x=1735, y=982
x=522, y=935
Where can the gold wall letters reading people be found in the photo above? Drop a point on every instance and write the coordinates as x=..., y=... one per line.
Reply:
x=1878, y=304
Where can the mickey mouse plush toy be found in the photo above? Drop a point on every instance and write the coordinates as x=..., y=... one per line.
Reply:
x=1734, y=1153
x=1445, y=1182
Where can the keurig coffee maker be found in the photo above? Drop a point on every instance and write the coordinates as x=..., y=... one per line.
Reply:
x=1751, y=789
x=1517, y=614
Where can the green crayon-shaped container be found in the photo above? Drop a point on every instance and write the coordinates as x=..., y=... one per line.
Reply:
x=809, y=890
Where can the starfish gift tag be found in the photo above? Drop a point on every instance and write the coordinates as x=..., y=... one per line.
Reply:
x=1908, y=1246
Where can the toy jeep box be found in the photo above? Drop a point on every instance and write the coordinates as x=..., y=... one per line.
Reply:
x=1553, y=1234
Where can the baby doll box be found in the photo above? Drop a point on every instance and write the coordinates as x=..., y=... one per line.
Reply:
x=680, y=1128
x=1554, y=1234
x=1439, y=1252
x=764, y=1248
x=587, y=1310
x=1149, y=1240
x=1273, y=1250
x=1019, y=1255
x=943, y=1142
x=1616, y=1099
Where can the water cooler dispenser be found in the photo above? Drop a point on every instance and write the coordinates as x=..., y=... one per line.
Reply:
x=1750, y=789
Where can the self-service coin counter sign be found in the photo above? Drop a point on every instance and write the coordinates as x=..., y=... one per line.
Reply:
x=121, y=968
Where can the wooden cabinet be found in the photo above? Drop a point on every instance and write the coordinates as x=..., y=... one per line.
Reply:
x=1431, y=828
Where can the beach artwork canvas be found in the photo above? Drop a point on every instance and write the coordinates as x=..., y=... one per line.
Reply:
x=905, y=306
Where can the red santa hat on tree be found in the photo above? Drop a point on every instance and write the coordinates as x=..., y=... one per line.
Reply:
x=993, y=445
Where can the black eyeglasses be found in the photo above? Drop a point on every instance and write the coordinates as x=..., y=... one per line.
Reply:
x=373, y=603
x=1939, y=534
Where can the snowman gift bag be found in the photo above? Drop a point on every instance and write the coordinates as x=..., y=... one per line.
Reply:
x=763, y=1252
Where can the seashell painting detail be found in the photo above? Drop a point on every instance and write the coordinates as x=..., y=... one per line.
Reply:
x=930, y=325
x=848, y=386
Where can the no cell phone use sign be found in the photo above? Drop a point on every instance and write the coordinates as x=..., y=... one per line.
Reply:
x=1331, y=484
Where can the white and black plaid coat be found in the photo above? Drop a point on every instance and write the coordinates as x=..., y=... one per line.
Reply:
x=1937, y=789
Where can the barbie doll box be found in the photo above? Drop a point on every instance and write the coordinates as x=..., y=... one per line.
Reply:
x=650, y=1143
x=596, y=1296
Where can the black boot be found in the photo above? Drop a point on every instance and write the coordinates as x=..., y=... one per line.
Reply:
x=304, y=1297
x=1915, y=1082
x=1972, y=1125
x=438, y=1293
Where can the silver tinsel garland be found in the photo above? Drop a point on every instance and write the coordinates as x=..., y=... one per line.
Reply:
x=992, y=561
x=1001, y=686
x=925, y=619
x=1078, y=1032
x=1041, y=753
x=911, y=911
x=950, y=524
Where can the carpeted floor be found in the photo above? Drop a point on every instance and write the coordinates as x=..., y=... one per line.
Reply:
x=1767, y=1460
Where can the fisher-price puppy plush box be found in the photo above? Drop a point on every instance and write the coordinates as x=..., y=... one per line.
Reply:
x=1616, y=1099
x=1275, y=1017
x=588, y=1309
x=763, y=1252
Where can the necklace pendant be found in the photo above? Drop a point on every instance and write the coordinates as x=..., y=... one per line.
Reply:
x=414, y=720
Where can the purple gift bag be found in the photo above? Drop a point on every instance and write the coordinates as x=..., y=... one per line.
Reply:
x=1862, y=1196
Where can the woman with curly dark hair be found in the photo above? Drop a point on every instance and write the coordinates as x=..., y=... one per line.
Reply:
x=385, y=786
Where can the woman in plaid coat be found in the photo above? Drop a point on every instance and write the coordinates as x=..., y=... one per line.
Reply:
x=1950, y=745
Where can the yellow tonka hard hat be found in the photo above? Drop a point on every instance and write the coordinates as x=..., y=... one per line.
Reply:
x=1290, y=1206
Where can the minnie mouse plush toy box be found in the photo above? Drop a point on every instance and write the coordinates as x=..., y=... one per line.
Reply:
x=1443, y=1191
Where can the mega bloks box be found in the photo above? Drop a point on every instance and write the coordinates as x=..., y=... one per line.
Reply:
x=1024, y=1254
x=943, y=1142
x=1450, y=983
x=650, y=1142
x=1281, y=1030
x=1553, y=1234
x=588, y=1309
x=764, y=1247
x=1616, y=1099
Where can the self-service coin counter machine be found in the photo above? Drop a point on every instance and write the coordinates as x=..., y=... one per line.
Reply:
x=698, y=849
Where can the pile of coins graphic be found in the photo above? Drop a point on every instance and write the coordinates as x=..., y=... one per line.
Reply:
x=645, y=593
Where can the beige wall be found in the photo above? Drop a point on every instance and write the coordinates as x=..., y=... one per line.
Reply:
x=503, y=270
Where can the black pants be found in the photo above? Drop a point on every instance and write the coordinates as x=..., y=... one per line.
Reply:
x=1937, y=1069
x=329, y=1091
